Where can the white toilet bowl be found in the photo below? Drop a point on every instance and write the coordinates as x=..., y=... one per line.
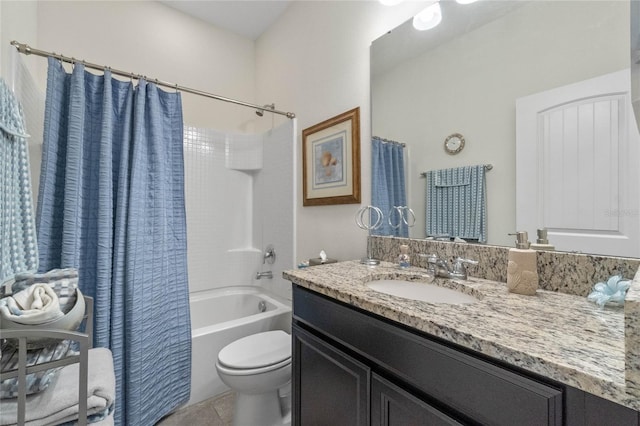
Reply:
x=256, y=367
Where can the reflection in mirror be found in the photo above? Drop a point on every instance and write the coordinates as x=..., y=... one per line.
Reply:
x=465, y=75
x=388, y=178
x=635, y=58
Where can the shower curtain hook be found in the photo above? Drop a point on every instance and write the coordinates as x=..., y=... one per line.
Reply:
x=176, y=87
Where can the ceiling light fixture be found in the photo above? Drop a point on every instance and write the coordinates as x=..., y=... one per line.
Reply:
x=429, y=18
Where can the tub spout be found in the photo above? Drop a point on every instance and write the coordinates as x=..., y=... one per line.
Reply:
x=267, y=274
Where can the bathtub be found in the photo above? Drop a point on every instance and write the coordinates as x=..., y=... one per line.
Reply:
x=220, y=316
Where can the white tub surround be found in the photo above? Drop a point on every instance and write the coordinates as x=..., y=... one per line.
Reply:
x=560, y=336
x=219, y=317
x=240, y=198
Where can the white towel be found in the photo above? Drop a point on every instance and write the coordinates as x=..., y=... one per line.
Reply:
x=36, y=304
x=59, y=403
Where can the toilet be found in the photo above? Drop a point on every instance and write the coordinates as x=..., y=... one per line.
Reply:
x=258, y=369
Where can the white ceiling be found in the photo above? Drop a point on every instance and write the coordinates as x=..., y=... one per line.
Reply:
x=248, y=18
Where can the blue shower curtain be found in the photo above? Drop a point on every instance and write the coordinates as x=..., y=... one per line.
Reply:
x=111, y=203
x=388, y=185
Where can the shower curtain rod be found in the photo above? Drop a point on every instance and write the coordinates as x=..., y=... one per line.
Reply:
x=25, y=49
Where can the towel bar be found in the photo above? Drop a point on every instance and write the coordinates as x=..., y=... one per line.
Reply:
x=487, y=167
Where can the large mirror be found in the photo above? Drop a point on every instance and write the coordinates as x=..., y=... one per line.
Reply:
x=465, y=75
x=635, y=58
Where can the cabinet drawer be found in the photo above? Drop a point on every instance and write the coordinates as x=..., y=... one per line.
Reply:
x=469, y=385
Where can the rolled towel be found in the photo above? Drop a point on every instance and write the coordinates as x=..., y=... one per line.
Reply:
x=36, y=304
x=63, y=281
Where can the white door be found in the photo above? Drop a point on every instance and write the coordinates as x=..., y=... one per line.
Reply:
x=577, y=160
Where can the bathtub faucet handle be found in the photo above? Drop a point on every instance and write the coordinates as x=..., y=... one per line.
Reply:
x=269, y=255
x=267, y=274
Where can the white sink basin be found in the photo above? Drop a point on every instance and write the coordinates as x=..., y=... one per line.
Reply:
x=421, y=291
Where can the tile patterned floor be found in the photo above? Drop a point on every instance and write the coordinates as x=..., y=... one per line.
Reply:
x=217, y=411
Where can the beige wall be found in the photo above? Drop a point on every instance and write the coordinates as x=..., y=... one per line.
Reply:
x=18, y=21
x=315, y=62
x=148, y=38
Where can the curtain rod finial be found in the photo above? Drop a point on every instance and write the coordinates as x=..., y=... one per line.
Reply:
x=21, y=47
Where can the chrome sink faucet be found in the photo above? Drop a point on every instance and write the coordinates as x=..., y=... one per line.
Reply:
x=457, y=270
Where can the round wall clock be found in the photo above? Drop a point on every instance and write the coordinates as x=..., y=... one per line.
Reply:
x=454, y=143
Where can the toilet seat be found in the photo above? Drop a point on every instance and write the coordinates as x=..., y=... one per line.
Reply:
x=259, y=352
x=286, y=364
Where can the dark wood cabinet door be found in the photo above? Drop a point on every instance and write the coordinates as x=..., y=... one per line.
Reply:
x=329, y=387
x=393, y=406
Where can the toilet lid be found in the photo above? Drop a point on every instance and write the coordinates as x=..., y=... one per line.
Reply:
x=257, y=350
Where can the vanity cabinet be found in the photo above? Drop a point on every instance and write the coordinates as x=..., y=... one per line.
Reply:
x=351, y=367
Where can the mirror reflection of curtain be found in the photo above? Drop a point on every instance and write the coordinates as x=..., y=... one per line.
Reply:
x=111, y=204
x=388, y=188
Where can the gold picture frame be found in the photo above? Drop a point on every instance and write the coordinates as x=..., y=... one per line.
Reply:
x=331, y=161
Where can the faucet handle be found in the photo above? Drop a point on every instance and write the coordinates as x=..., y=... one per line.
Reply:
x=432, y=261
x=269, y=255
x=431, y=258
x=459, y=267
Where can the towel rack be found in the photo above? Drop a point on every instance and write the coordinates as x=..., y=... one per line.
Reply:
x=487, y=167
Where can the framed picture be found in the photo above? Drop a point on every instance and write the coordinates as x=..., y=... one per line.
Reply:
x=331, y=161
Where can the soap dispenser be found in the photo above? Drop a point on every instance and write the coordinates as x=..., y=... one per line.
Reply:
x=522, y=270
x=542, y=243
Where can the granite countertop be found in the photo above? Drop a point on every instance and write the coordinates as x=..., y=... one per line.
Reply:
x=560, y=336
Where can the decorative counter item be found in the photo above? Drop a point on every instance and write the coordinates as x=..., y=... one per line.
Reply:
x=403, y=259
x=321, y=260
x=365, y=220
x=612, y=292
x=317, y=261
x=522, y=270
